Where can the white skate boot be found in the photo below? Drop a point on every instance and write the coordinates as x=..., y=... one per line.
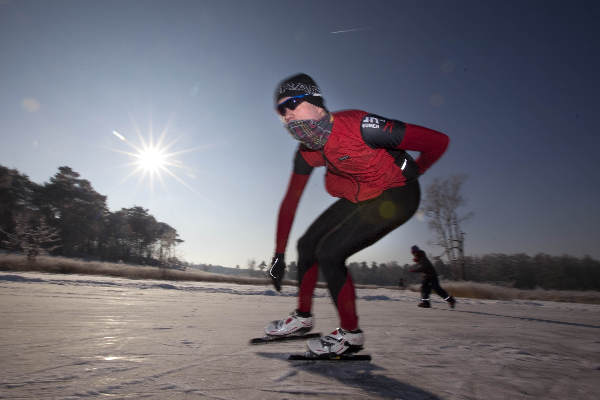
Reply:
x=292, y=325
x=337, y=342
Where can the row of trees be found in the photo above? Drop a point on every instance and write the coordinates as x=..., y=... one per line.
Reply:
x=67, y=217
x=542, y=270
x=514, y=270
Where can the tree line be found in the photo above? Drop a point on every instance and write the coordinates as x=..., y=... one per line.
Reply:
x=520, y=271
x=513, y=270
x=67, y=217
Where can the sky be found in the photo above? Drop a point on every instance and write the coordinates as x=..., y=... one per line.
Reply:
x=513, y=84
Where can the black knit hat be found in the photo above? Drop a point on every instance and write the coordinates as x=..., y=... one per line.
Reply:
x=297, y=85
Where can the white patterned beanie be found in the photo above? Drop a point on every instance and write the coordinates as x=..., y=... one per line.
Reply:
x=297, y=85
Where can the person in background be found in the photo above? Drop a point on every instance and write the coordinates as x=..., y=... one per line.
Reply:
x=430, y=279
x=376, y=182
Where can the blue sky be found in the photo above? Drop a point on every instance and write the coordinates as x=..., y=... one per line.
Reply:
x=514, y=84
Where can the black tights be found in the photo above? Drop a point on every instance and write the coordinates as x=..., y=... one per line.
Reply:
x=346, y=228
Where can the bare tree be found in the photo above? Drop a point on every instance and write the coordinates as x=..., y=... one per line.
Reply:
x=442, y=200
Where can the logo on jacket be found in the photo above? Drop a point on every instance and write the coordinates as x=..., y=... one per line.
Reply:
x=342, y=158
x=372, y=122
x=389, y=125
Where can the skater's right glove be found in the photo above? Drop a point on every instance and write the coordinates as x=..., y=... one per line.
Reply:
x=277, y=270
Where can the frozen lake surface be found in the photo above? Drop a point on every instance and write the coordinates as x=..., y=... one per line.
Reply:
x=80, y=337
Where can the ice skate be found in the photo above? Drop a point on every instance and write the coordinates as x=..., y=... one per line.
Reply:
x=293, y=325
x=337, y=342
x=451, y=301
x=424, y=303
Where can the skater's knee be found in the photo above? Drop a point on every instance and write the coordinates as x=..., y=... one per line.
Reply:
x=332, y=265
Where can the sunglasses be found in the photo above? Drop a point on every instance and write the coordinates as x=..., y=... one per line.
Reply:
x=290, y=104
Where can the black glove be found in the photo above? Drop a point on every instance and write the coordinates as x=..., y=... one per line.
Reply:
x=277, y=270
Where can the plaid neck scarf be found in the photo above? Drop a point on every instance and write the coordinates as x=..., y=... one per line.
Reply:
x=312, y=133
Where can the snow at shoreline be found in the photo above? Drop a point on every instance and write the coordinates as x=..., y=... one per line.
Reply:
x=80, y=336
x=379, y=294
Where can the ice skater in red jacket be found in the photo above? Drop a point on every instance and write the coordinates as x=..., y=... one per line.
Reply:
x=375, y=180
x=430, y=279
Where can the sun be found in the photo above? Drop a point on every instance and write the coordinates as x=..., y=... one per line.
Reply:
x=154, y=160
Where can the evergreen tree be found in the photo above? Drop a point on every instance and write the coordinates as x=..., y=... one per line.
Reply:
x=72, y=206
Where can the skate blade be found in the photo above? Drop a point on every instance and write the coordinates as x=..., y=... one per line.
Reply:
x=330, y=357
x=270, y=339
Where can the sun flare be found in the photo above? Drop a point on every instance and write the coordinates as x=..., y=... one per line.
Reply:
x=154, y=160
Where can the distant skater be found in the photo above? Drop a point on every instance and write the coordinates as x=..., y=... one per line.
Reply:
x=430, y=279
x=376, y=182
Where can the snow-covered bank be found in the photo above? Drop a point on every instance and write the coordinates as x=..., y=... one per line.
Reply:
x=76, y=336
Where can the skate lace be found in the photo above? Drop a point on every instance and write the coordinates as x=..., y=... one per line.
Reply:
x=327, y=339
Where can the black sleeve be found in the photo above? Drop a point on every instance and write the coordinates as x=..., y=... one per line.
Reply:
x=301, y=167
x=379, y=132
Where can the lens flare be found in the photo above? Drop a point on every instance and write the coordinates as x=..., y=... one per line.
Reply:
x=153, y=160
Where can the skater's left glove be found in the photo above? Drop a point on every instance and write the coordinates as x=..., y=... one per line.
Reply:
x=277, y=270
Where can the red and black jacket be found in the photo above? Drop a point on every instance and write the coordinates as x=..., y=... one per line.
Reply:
x=365, y=154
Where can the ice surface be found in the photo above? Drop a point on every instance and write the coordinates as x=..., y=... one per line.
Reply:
x=79, y=337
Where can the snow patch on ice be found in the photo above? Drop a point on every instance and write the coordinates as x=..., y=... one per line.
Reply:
x=19, y=278
x=163, y=286
x=379, y=297
x=374, y=294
